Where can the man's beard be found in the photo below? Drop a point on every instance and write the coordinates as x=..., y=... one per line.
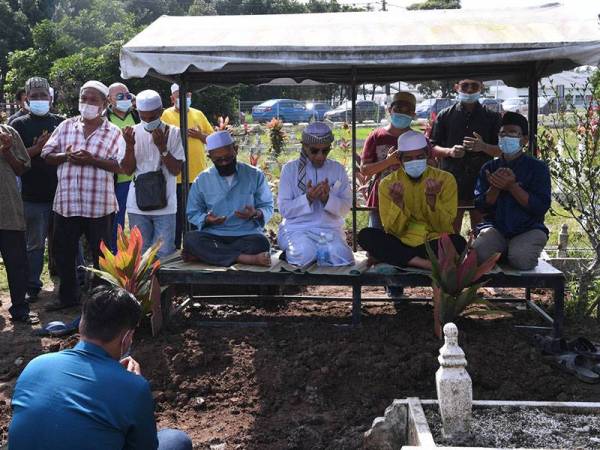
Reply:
x=228, y=169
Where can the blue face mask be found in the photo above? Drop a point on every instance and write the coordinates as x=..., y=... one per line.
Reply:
x=124, y=105
x=39, y=107
x=188, y=102
x=415, y=168
x=151, y=126
x=399, y=120
x=510, y=145
x=468, y=98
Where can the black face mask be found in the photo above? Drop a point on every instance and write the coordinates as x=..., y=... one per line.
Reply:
x=227, y=169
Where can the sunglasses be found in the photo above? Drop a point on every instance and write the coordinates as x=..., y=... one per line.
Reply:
x=314, y=151
x=465, y=86
x=123, y=96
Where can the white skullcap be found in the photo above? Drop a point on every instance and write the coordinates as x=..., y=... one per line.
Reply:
x=411, y=140
x=148, y=100
x=218, y=139
x=100, y=87
x=174, y=88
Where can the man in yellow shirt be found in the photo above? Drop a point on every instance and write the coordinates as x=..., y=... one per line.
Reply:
x=416, y=204
x=198, y=129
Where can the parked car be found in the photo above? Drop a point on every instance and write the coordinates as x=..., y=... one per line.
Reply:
x=285, y=109
x=516, y=104
x=432, y=105
x=493, y=104
x=365, y=110
x=318, y=109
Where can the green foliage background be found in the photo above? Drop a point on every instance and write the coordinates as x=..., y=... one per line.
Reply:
x=72, y=41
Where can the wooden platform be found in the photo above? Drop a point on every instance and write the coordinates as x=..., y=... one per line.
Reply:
x=175, y=272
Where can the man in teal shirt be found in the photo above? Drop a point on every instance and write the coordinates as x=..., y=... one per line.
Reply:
x=230, y=203
x=91, y=397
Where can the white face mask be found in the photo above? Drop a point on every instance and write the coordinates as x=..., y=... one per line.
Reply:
x=88, y=112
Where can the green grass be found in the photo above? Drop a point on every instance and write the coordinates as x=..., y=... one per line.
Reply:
x=4, y=280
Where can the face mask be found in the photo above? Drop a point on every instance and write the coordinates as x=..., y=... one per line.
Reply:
x=88, y=112
x=400, y=120
x=415, y=168
x=124, y=105
x=151, y=126
x=188, y=102
x=463, y=97
x=228, y=169
x=509, y=145
x=125, y=353
x=39, y=107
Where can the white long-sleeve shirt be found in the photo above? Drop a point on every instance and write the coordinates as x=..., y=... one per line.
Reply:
x=298, y=212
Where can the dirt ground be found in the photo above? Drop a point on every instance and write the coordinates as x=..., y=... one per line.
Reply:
x=295, y=375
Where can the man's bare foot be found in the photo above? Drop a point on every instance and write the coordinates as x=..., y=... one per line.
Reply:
x=262, y=259
x=187, y=257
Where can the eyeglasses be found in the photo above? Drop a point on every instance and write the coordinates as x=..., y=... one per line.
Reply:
x=314, y=151
x=513, y=135
x=467, y=85
x=123, y=96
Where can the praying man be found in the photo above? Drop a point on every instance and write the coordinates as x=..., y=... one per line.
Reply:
x=417, y=203
x=230, y=203
x=314, y=197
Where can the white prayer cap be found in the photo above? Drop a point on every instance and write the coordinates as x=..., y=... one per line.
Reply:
x=148, y=100
x=174, y=88
x=218, y=139
x=100, y=87
x=411, y=140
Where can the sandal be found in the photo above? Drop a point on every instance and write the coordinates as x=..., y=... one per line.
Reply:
x=549, y=345
x=29, y=319
x=578, y=365
x=585, y=347
x=58, y=328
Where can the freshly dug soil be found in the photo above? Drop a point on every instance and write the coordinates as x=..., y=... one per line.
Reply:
x=294, y=375
x=523, y=428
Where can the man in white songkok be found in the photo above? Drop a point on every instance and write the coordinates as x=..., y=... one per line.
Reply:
x=314, y=197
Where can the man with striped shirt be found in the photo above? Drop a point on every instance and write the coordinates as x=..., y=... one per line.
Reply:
x=85, y=150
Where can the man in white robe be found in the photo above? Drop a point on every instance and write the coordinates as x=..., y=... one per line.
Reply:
x=314, y=197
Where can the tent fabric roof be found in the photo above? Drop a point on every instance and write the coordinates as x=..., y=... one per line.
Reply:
x=378, y=46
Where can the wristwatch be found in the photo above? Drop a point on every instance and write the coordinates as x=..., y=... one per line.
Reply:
x=256, y=214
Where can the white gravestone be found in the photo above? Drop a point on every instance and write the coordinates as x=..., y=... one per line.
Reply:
x=454, y=387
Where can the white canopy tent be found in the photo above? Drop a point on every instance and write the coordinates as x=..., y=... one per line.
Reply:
x=519, y=46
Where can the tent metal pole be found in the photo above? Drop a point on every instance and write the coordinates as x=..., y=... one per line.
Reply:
x=533, y=110
x=353, y=93
x=183, y=126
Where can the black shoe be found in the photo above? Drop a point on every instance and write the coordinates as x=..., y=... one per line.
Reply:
x=29, y=319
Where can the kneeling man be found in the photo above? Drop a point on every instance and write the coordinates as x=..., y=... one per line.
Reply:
x=516, y=190
x=230, y=203
x=416, y=203
x=314, y=197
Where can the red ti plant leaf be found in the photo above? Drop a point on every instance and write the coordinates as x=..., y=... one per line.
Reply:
x=486, y=266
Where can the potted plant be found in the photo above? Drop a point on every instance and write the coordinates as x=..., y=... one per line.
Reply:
x=454, y=278
x=131, y=269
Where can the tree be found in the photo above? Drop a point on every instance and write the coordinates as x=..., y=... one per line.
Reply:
x=436, y=4
x=571, y=148
x=14, y=35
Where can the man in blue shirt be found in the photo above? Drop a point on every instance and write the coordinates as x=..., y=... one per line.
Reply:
x=230, y=203
x=515, y=191
x=91, y=397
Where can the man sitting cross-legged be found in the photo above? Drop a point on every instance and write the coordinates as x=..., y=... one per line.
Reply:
x=516, y=190
x=230, y=203
x=314, y=197
x=416, y=203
